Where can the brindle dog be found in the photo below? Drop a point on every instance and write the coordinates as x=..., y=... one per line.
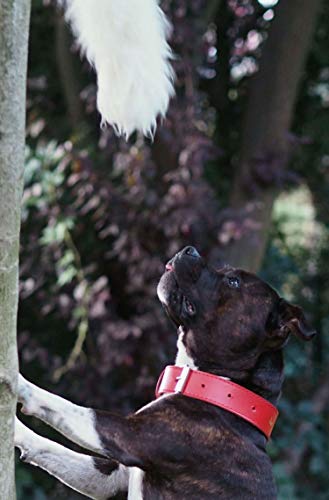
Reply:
x=231, y=324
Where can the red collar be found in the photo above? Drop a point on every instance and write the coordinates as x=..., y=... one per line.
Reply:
x=219, y=392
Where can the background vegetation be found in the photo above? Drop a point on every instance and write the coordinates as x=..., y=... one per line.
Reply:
x=101, y=216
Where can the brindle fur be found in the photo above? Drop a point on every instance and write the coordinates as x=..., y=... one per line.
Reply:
x=189, y=449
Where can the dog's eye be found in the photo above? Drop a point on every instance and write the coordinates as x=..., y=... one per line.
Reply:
x=233, y=282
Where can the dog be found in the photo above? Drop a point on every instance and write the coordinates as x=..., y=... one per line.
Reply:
x=232, y=327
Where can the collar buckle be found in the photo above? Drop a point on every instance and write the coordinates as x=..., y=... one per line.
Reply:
x=182, y=379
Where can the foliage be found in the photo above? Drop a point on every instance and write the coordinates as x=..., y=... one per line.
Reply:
x=101, y=217
x=297, y=246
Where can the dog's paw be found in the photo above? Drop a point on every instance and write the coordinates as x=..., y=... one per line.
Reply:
x=23, y=389
x=6, y=380
x=25, y=396
x=22, y=439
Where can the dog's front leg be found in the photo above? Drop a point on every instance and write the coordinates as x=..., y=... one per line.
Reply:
x=124, y=439
x=74, y=422
x=94, y=477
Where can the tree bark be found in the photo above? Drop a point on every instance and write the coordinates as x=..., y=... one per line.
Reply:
x=265, y=142
x=14, y=27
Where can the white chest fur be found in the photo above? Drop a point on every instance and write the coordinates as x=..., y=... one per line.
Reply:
x=135, y=491
x=182, y=358
x=136, y=475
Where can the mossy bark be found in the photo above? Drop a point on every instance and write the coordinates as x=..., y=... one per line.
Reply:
x=14, y=27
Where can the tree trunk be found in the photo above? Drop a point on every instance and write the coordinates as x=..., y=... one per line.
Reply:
x=265, y=138
x=14, y=26
x=66, y=64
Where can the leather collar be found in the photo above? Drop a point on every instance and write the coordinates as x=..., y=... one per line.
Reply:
x=219, y=392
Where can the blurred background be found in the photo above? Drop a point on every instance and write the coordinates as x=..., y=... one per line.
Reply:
x=240, y=169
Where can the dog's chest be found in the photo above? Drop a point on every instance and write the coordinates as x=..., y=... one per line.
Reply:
x=135, y=490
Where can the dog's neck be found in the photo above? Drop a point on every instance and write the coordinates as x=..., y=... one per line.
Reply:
x=182, y=357
x=265, y=379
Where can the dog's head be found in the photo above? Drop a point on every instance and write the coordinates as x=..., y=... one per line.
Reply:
x=229, y=317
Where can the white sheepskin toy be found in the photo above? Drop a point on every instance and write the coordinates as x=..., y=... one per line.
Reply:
x=126, y=42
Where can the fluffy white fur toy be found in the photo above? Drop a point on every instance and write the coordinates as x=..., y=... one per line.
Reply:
x=126, y=42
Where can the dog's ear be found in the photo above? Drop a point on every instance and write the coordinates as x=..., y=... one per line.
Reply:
x=286, y=319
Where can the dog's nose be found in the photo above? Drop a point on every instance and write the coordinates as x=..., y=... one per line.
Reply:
x=191, y=251
x=180, y=256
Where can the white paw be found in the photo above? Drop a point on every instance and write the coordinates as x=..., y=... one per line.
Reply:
x=25, y=395
x=19, y=432
x=22, y=438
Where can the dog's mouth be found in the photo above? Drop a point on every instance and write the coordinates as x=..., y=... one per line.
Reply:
x=169, y=266
x=175, y=298
x=177, y=306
